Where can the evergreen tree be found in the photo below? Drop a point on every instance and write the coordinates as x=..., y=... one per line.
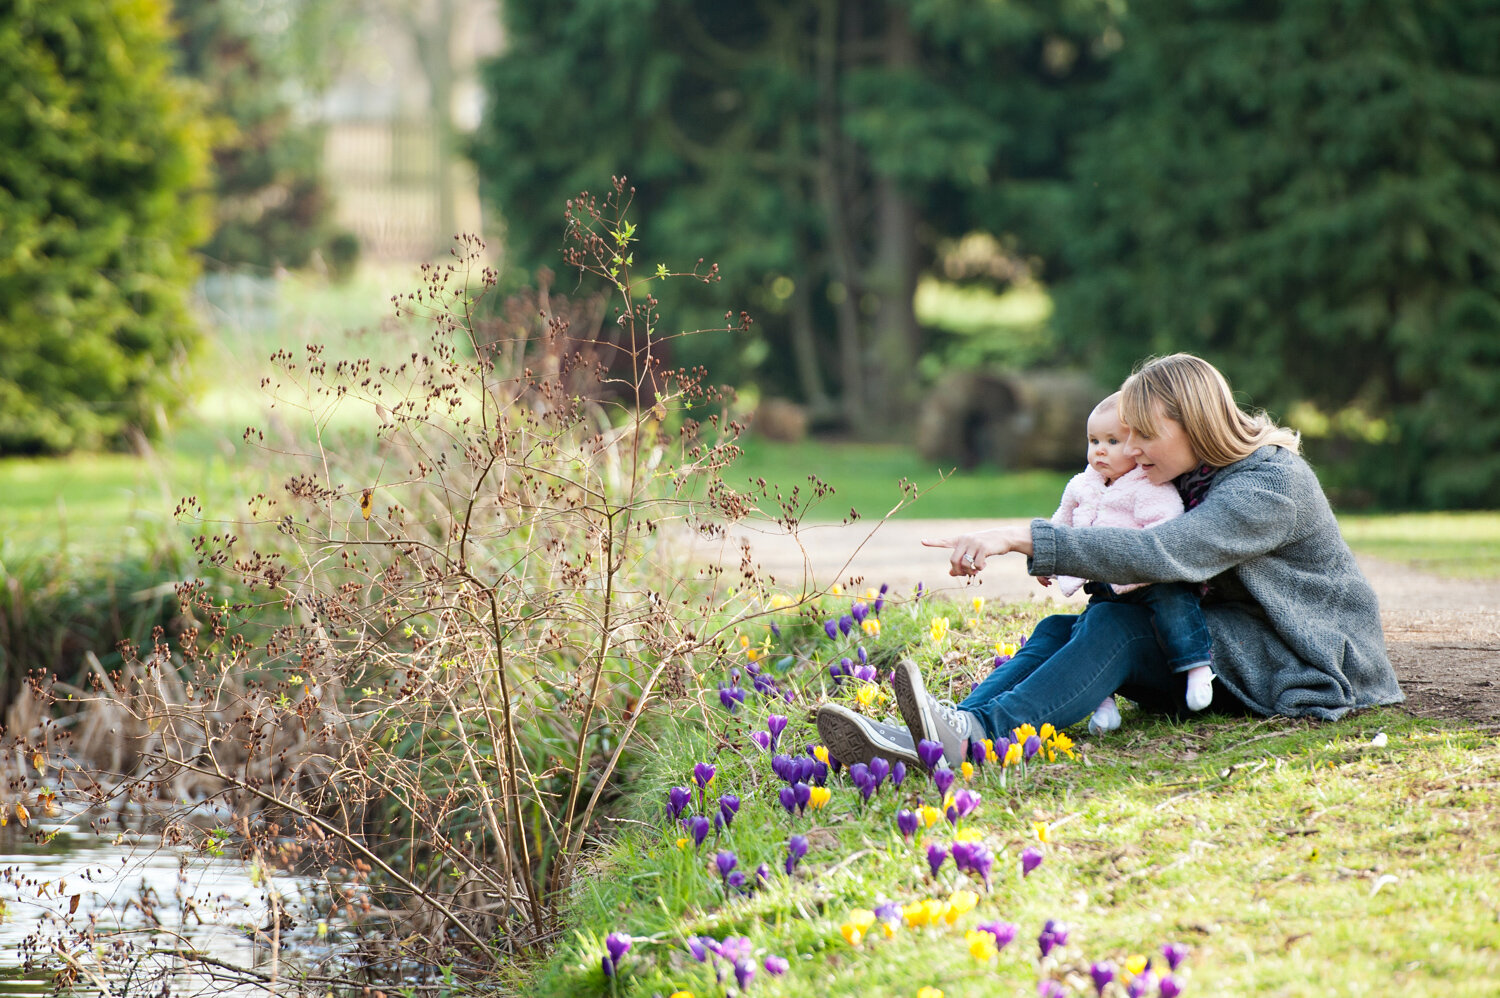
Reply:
x=1308, y=194
x=272, y=207
x=102, y=167
x=816, y=149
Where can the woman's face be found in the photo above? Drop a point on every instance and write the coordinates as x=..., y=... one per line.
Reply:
x=1164, y=456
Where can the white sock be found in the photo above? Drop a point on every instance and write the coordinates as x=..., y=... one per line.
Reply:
x=1200, y=687
x=1106, y=717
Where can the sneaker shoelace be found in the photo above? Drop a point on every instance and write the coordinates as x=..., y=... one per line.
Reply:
x=952, y=715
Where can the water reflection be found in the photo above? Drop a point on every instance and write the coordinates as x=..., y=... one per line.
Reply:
x=129, y=882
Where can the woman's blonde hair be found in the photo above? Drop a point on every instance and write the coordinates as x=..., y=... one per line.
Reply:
x=1192, y=391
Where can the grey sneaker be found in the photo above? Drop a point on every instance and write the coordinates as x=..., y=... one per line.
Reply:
x=929, y=719
x=852, y=738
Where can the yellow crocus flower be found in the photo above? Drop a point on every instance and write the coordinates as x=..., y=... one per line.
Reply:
x=978, y=604
x=967, y=769
x=1135, y=964
x=981, y=945
x=818, y=796
x=837, y=589
x=871, y=626
x=929, y=815
x=960, y=904
x=867, y=694
x=938, y=629
x=682, y=994
x=820, y=753
x=1043, y=831
x=1024, y=732
x=1013, y=754
x=930, y=992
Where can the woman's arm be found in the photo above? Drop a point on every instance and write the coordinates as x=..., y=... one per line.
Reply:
x=969, y=551
x=1236, y=522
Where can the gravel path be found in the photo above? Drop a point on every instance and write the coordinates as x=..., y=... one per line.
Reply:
x=1443, y=634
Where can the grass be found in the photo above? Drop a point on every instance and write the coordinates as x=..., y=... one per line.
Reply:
x=1294, y=858
x=1458, y=545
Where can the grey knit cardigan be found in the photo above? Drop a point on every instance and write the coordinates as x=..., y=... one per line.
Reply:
x=1295, y=625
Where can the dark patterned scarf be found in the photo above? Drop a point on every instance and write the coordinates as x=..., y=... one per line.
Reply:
x=1194, y=485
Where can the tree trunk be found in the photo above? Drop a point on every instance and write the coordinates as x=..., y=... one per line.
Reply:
x=895, y=338
x=842, y=266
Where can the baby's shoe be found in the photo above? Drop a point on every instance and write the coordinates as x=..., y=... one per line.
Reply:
x=1200, y=687
x=1106, y=717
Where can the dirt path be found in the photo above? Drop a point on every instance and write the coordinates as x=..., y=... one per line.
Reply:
x=1443, y=635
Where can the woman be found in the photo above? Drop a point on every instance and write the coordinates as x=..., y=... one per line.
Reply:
x=1295, y=625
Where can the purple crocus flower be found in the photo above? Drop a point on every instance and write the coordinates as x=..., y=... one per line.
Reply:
x=936, y=855
x=805, y=769
x=728, y=698
x=846, y=624
x=703, y=773
x=618, y=944
x=678, y=798
x=744, y=972
x=858, y=773
x=1048, y=939
x=1171, y=987
x=1048, y=988
x=981, y=862
x=836, y=674
x=719, y=823
x=802, y=793
x=1002, y=746
x=1102, y=973
x=735, y=948
x=729, y=806
x=1031, y=858
x=763, y=874
x=859, y=612
x=776, y=965
x=879, y=770
x=736, y=882
x=776, y=632
x=796, y=848
x=834, y=764
x=762, y=739
x=880, y=600
x=781, y=765
x=607, y=965
x=965, y=801
x=831, y=628
x=776, y=724
x=1032, y=747
x=864, y=656
x=1004, y=932
x=819, y=773
x=898, y=773
x=1142, y=984
x=963, y=854
x=1000, y=660
x=788, y=798
x=907, y=822
x=698, y=827
x=888, y=912
x=942, y=779
x=976, y=752
x=1175, y=954
x=846, y=665
x=697, y=947
x=864, y=673
x=930, y=752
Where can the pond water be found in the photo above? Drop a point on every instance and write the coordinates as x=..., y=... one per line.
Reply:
x=127, y=882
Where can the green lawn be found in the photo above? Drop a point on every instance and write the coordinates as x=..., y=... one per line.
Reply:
x=1292, y=858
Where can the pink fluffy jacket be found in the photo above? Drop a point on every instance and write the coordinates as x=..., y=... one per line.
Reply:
x=1131, y=501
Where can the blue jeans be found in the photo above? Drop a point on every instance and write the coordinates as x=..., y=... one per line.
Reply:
x=1180, y=625
x=1072, y=662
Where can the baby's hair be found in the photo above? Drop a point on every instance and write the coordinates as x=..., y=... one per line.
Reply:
x=1108, y=404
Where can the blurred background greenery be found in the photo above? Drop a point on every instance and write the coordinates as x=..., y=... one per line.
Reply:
x=953, y=224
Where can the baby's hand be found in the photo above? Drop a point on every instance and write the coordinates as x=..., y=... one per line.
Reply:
x=1045, y=580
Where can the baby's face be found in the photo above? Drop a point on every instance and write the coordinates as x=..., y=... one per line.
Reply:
x=1107, y=446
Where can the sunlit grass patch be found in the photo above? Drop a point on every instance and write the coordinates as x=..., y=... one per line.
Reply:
x=1461, y=545
x=1290, y=857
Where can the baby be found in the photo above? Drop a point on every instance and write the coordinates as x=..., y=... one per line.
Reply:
x=1113, y=492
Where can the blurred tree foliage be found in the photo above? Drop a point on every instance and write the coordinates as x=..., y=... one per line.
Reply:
x=818, y=150
x=102, y=168
x=1308, y=194
x=258, y=65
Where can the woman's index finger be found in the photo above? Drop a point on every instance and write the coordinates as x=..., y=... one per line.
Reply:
x=946, y=542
